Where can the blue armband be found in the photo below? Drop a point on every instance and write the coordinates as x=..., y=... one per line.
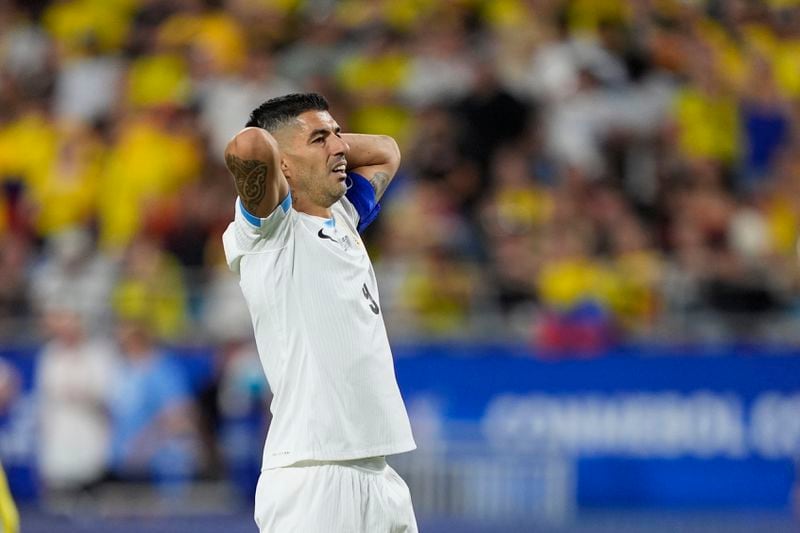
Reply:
x=362, y=196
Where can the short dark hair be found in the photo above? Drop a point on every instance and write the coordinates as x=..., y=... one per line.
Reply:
x=279, y=111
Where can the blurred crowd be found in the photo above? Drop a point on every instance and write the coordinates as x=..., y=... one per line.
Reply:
x=575, y=172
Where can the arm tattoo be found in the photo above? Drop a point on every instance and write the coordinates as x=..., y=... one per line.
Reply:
x=250, y=176
x=379, y=182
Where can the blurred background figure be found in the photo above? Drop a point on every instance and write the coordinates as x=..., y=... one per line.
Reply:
x=150, y=289
x=153, y=418
x=74, y=381
x=72, y=273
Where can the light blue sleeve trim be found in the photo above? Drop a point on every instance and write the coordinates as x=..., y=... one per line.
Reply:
x=248, y=216
x=285, y=205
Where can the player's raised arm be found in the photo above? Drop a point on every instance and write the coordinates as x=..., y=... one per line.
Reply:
x=376, y=157
x=252, y=157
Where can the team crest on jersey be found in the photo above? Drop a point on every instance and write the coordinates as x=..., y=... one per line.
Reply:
x=346, y=243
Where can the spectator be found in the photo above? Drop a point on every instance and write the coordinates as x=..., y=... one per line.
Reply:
x=73, y=271
x=74, y=381
x=495, y=116
x=65, y=194
x=318, y=54
x=151, y=289
x=440, y=69
x=153, y=155
x=87, y=86
x=766, y=118
x=372, y=76
x=153, y=419
x=226, y=100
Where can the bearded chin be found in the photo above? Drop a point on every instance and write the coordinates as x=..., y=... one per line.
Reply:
x=335, y=195
x=339, y=193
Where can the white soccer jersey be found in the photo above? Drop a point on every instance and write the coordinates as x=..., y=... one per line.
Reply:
x=313, y=298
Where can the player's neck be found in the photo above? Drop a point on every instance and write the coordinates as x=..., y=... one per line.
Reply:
x=304, y=205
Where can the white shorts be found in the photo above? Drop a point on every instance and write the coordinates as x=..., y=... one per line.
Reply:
x=364, y=495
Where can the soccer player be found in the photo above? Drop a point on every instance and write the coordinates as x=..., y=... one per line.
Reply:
x=306, y=190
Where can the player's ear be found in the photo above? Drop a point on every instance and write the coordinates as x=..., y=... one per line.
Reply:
x=285, y=168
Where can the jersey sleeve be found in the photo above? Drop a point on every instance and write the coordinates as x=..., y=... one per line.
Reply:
x=361, y=196
x=251, y=234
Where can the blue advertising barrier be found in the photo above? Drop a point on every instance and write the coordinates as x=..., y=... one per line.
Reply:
x=647, y=427
x=691, y=428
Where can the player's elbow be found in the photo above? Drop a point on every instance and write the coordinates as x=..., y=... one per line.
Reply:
x=253, y=143
x=391, y=151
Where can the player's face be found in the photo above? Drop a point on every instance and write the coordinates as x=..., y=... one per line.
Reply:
x=314, y=158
